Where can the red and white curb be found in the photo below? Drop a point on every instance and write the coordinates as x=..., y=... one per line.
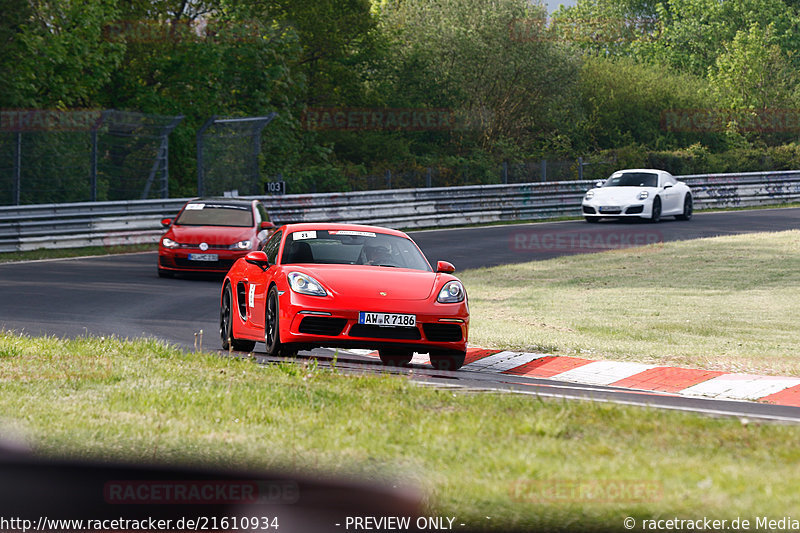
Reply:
x=664, y=379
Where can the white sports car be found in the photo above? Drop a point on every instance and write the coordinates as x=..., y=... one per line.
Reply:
x=643, y=193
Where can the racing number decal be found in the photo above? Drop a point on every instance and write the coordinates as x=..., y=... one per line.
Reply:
x=302, y=235
x=251, y=296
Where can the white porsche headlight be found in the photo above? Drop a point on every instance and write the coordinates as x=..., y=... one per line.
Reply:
x=305, y=284
x=643, y=195
x=241, y=245
x=589, y=195
x=169, y=243
x=452, y=292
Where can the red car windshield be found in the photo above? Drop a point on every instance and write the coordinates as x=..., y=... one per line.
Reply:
x=348, y=247
x=202, y=214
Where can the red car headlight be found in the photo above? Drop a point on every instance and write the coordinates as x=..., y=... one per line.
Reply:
x=241, y=245
x=305, y=284
x=452, y=292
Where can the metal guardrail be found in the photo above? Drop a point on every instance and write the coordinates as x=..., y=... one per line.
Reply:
x=138, y=221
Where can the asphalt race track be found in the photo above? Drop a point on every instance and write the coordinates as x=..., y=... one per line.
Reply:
x=519, y=243
x=122, y=295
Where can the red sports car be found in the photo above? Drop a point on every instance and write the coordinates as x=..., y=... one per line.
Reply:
x=343, y=285
x=210, y=234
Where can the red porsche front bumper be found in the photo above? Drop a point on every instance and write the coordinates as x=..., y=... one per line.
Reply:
x=314, y=321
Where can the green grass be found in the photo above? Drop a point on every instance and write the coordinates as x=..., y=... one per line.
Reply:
x=61, y=253
x=725, y=303
x=472, y=456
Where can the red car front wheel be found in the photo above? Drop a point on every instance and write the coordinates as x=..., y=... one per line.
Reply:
x=272, y=330
x=226, y=325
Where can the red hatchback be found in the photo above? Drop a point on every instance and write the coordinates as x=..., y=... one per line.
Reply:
x=210, y=234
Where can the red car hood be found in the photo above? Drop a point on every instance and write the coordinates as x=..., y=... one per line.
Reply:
x=371, y=281
x=213, y=235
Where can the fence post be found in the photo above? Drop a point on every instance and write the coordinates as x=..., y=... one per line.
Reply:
x=200, y=183
x=580, y=168
x=165, y=175
x=93, y=168
x=256, y=151
x=17, y=168
x=165, y=172
x=505, y=172
x=544, y=169
x=428, y=178
x=388, y=179
x=256, y=124
x=161, y=161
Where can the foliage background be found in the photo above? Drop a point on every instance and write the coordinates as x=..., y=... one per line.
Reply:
x=591, y=80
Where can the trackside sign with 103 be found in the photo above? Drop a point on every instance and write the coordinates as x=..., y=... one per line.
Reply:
x=276, y=187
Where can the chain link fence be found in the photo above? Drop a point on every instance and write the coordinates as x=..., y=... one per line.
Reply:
x=228, y=151
x=532, y=171
x=75, y=156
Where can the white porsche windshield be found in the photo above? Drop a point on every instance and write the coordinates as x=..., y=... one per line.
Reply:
x=632, y=179
x=348, y=247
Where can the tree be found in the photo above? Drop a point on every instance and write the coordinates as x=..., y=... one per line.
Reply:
x=694, y=32
x=609, y=28
x=12, y=53
x=61, y=57
x=626, y=103
x=753, y=72
x=469, y=55
x=336, y=38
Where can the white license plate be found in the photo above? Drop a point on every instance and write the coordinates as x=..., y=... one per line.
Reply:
x=203, y=257
x=387, y=319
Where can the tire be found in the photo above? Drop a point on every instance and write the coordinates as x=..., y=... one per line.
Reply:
x=655, y=216
x=592, y=220
x=165, y=273
x=395, y=356
x=272, y=330
x=226, y=325
x=448, y=361
x=688, y=208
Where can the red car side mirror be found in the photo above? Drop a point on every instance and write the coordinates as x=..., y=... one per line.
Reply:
x=266, y=225
x=445, y=267
x=258, y=258
x=165, y=222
